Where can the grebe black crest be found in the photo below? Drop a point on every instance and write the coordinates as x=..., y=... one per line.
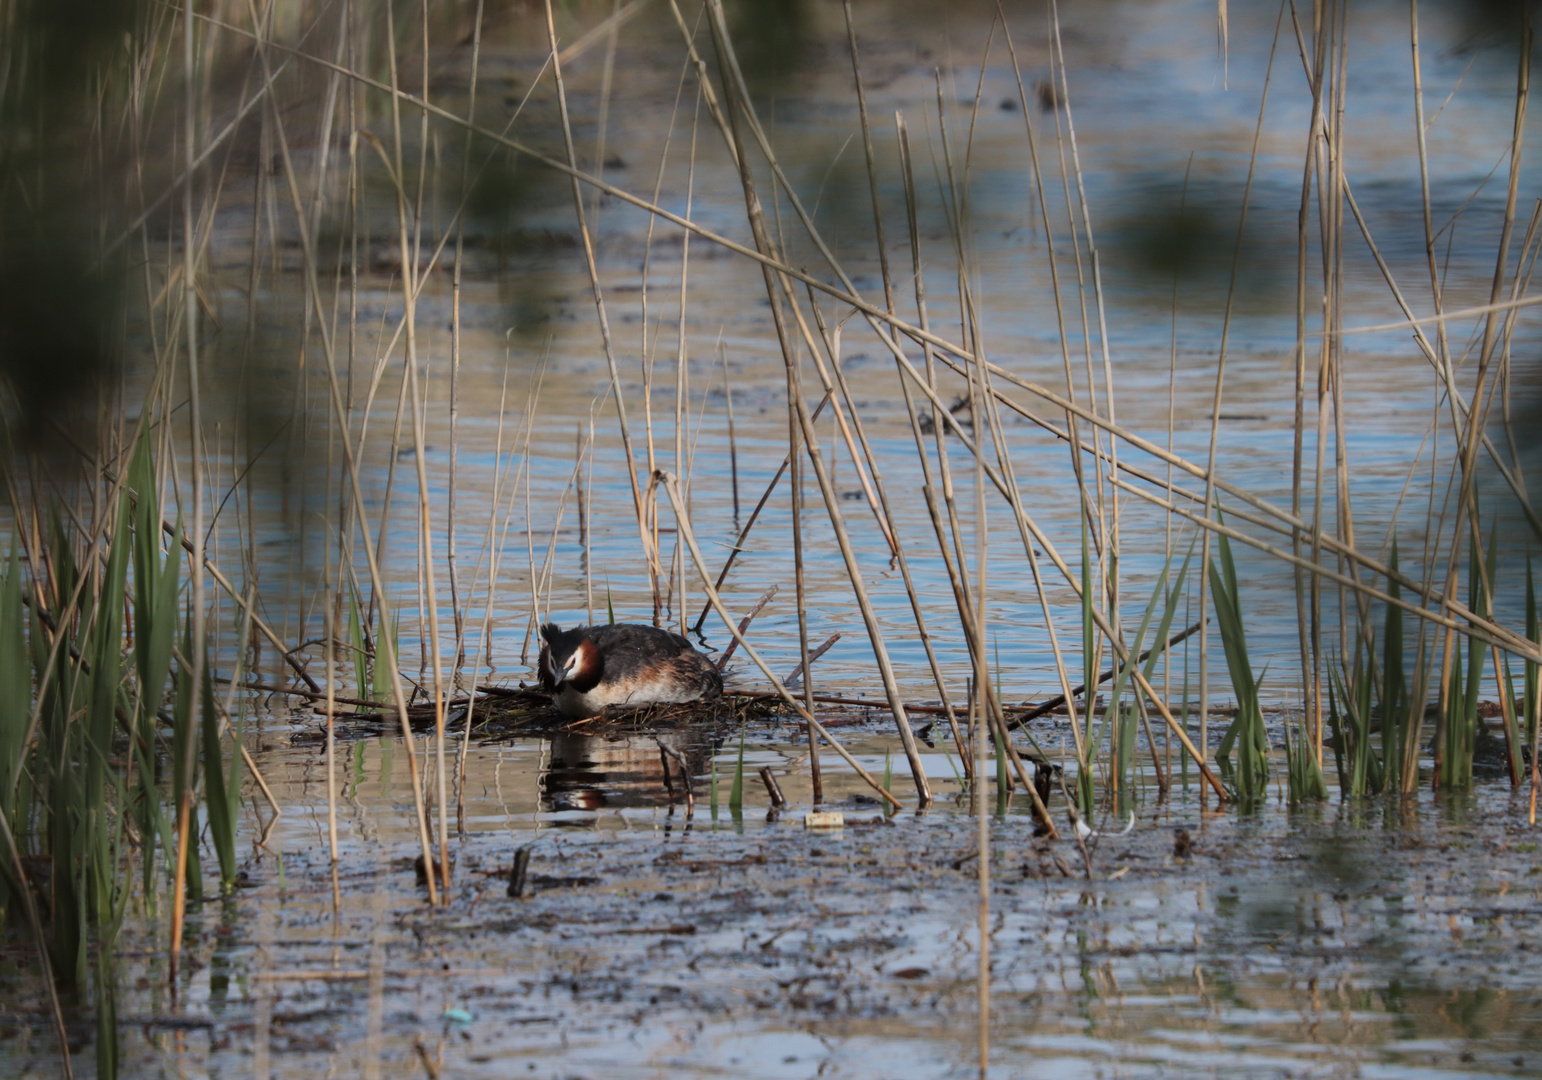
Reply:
x=630, y=664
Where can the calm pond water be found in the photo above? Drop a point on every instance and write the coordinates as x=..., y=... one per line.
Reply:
x=1162, y=124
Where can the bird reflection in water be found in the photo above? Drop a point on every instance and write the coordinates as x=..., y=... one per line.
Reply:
x=595, y=772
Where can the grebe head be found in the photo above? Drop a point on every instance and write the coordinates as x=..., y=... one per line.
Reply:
x=569, y=657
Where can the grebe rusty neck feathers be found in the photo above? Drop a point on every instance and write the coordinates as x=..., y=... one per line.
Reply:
x=629, y=664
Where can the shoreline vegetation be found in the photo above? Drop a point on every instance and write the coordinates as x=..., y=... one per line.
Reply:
x=369, y=158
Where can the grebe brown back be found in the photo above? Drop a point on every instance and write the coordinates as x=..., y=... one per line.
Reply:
x=589, y=667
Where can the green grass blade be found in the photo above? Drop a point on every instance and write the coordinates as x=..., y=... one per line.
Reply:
x=736, y=792
x=222, y=825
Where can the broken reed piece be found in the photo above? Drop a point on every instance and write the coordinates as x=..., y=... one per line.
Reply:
x=744, y=625
x=665, y=753
x=669, y=785
x=517, y=875
x=797, y=672
x=1058, y=701
x=773, y=789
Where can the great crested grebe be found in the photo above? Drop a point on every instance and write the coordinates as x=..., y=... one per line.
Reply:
x=589, y=667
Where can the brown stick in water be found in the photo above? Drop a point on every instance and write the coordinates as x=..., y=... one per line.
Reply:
x=744, y=624
x=797, y=672
x=1059, y=700
x=773, y=789
x=667, y=752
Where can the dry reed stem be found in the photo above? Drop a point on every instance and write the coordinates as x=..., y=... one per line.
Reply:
x=425, y=525
x=983, y=843
x=376, y=580
x=39, y=942
x=765, y=497
x=1215, y=403
x=198, y=614
x=814, y=654
x=744, y=624
x=672, y=489
x=331, y=759
x=805, y=423
x=594, y=278
x=892, y=531
x=455, y=336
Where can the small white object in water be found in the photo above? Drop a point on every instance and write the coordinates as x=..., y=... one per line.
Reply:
x=1085, y=832
x=824, y=819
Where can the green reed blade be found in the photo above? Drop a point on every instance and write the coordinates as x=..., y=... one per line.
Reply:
x=15, y=678
x=1337, y=741
x=356, y=646
x=185, y=768
x=1353, y=735
x=1116, y=691
x=106, y=1001
x=156, y=587
x=1246, y=732
x=1394, y=682
x=385, y=656
x=1169, y=611
x=736, y=792
x=106, y=652
x=222, y=821
x=1086, y=795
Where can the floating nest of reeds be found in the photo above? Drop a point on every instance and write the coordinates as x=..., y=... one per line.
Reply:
x=519, y=710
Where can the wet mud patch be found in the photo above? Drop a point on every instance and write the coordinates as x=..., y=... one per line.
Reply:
x=1338, y=939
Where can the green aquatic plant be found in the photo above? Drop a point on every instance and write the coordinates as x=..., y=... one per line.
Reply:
x=736, y=792
x=1457, y=727
x=1246, y=732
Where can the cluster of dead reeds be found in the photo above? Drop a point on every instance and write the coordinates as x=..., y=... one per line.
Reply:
x=116, y=662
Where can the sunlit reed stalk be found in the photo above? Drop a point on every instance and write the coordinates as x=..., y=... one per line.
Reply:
x=331, y=653
x=868, y=309
x=455, y=343
x=335, y=393
x=1094, y=504
x=671, y=487
x=983, y=870
x=742, y=109
x=682, y=394
x=190, y=334
x=649, y=349
x=410, y=250
x=594, y=282
x=832, y=344
x=493, y=545
x=985, y=422
x=1215, y=403
x=928, y=489
x=1307, y=639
